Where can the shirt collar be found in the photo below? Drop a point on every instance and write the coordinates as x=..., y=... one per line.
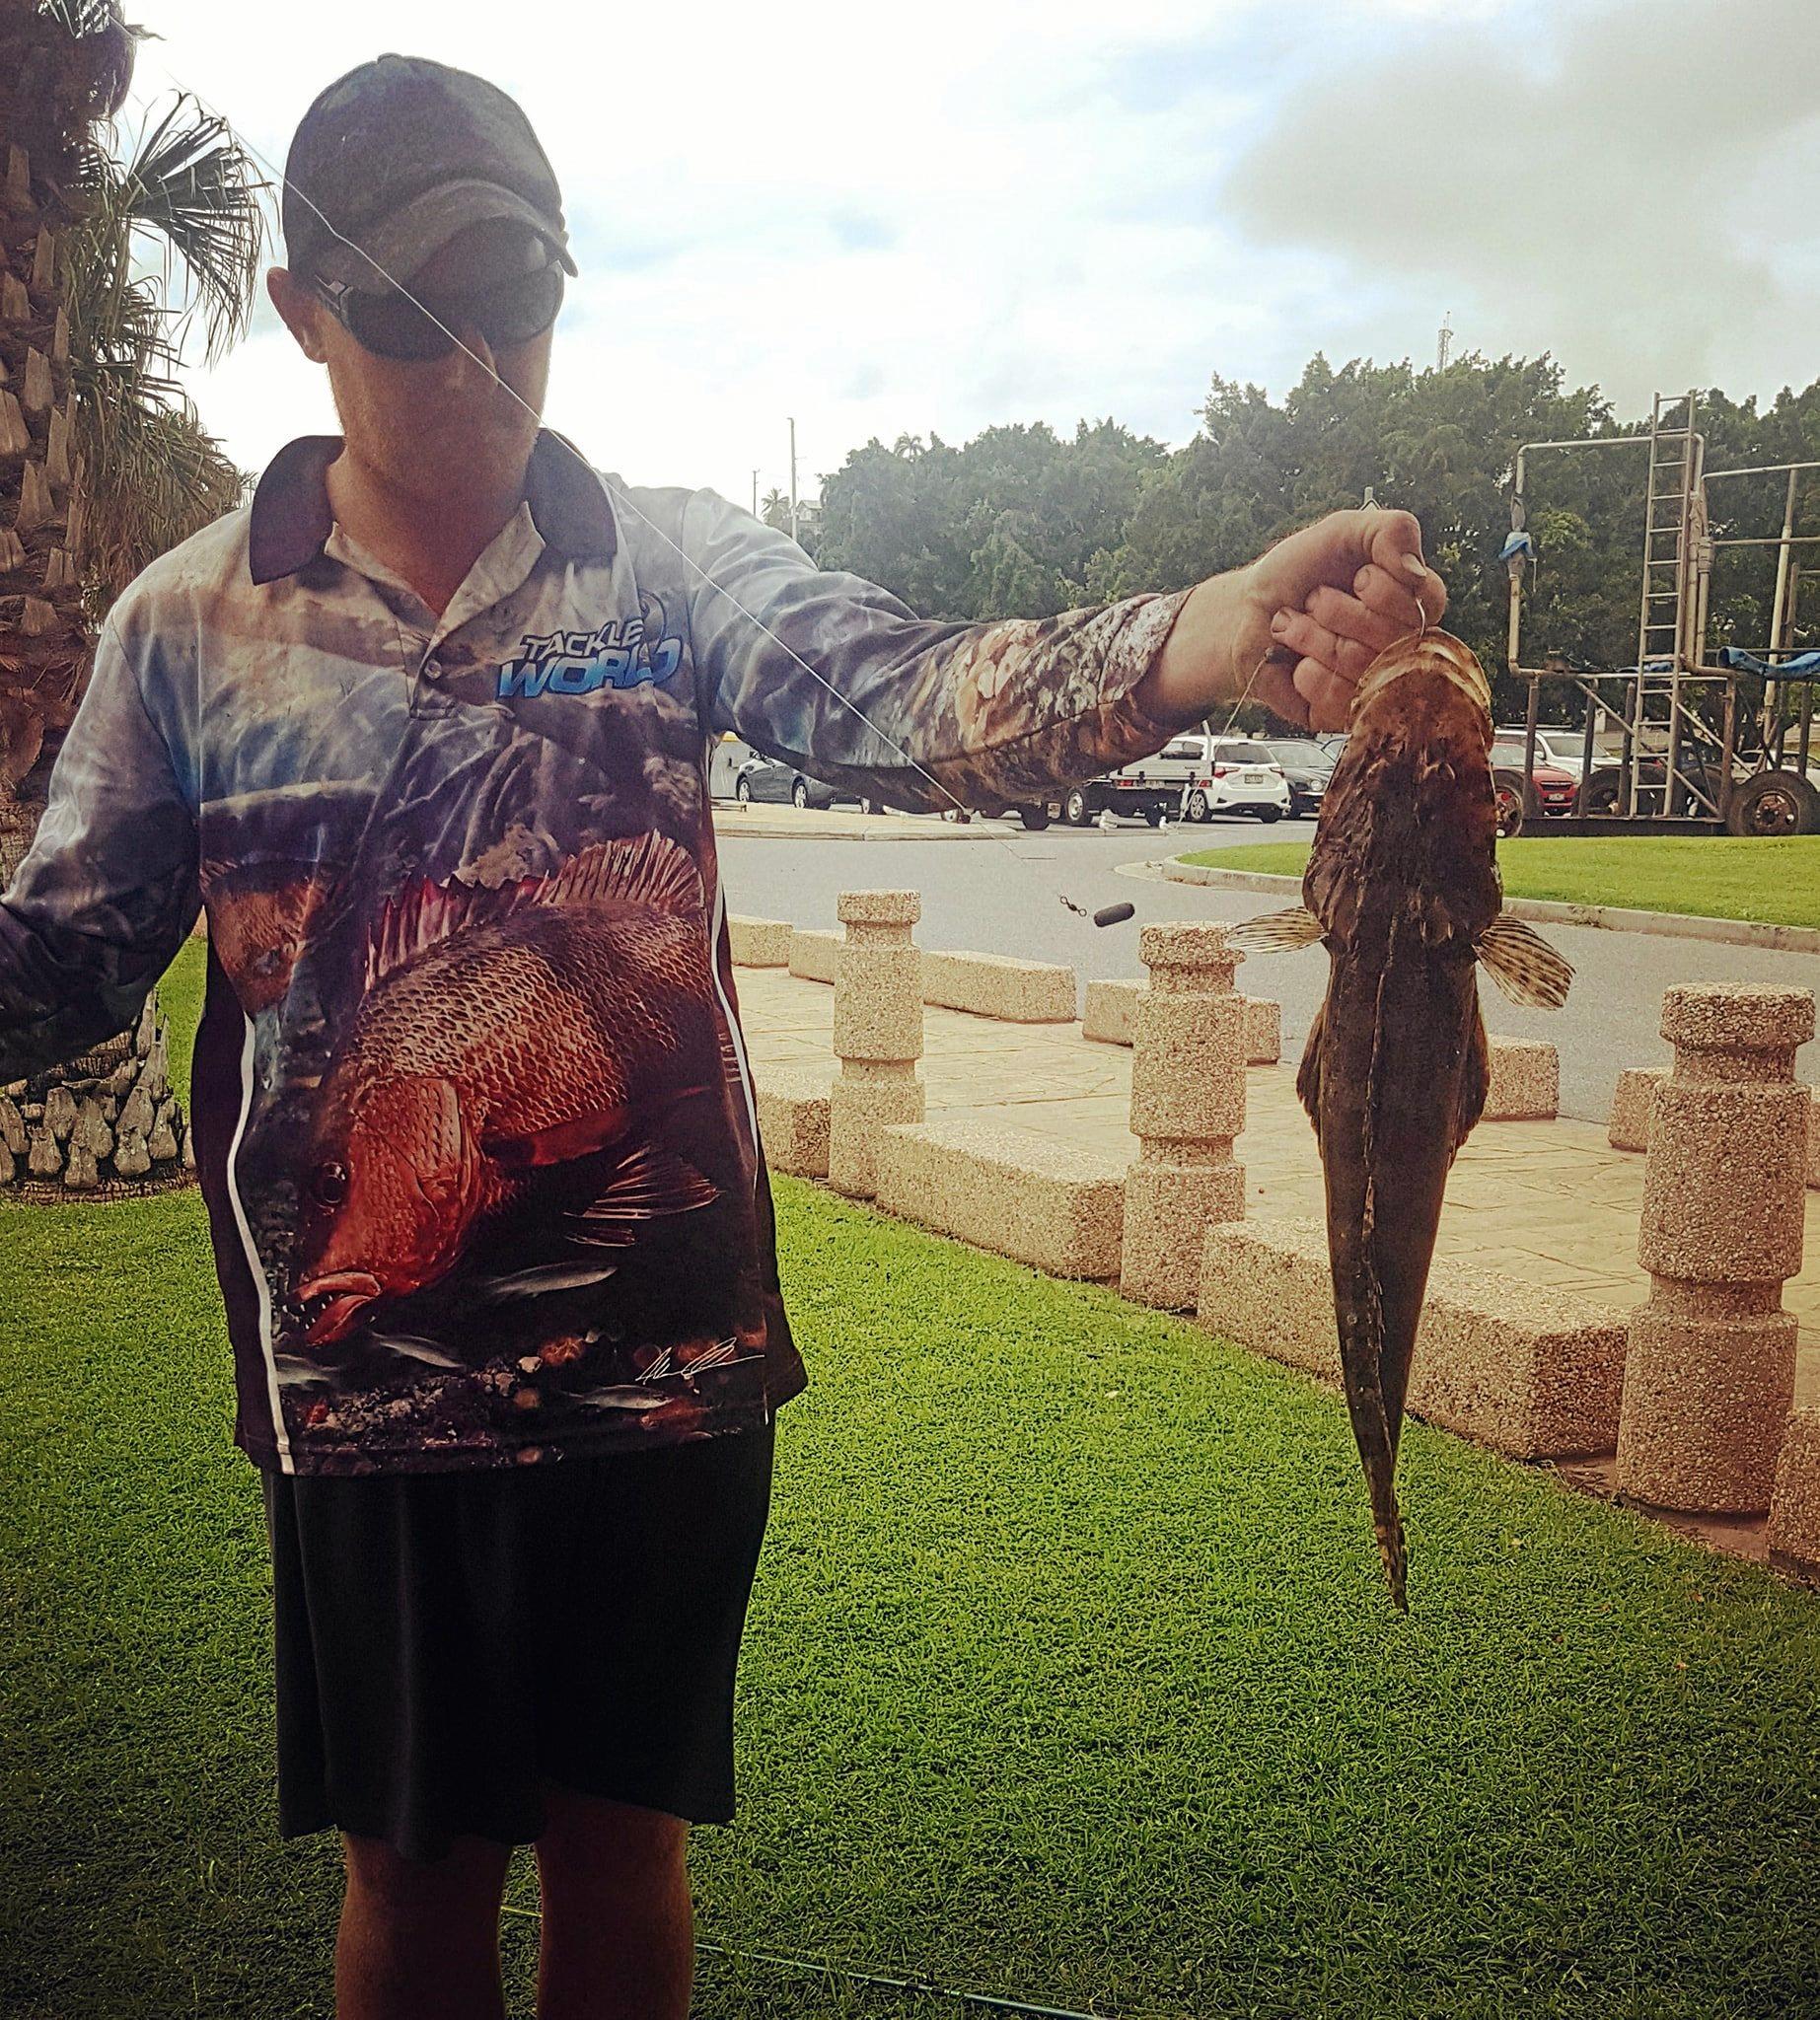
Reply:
x=291, y=520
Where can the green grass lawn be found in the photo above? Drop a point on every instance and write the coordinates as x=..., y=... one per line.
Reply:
x=1070, y=1677
x=1712, y=876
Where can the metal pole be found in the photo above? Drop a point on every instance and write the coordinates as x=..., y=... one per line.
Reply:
x=1580, y=797
x=1520, y=517
x=754, y=494
x=1530, y=715
x=792, y=419
x=1779, y=609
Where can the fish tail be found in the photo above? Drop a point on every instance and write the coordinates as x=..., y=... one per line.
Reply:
x=1378, y=1456
x=1387, y=1522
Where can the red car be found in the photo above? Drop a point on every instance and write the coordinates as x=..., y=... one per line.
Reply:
x=1555, y=790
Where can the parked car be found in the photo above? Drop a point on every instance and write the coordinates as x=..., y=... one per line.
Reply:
x=1555, y=790
x=764, y=779
x=1207, y=774
x=1560, y=748
x=1307, y=767
x=1138, y=791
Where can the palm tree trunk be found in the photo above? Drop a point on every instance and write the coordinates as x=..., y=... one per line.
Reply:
x=107, y=1122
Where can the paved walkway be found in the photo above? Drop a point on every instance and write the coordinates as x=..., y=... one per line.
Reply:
x=1549, y=1202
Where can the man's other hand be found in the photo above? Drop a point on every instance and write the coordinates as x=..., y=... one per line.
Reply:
x=1296, y=630
x=1323, y=603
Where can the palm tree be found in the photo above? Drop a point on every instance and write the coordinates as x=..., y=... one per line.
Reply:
x=103, y=465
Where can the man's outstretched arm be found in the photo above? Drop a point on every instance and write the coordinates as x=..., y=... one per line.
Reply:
x=107, y=891
x=830, y=672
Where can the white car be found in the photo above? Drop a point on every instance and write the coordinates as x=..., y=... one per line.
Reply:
x=1223, y=775
x=1563, y=749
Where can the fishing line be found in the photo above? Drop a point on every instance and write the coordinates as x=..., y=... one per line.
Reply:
x=621, y=497
x=923, y=1988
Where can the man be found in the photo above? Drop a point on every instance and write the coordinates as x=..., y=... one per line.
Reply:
x=424, y=730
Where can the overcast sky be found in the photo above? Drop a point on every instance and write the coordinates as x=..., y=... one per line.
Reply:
x=887, y=220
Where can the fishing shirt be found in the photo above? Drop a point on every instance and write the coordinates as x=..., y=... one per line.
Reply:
x=472, y=1112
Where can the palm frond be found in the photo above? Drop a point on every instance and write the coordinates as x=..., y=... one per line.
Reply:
x=157, y=475
x=101, y=68
x=193, y=188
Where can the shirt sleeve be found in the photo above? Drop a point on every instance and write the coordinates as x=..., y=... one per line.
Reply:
x=107, y=890
x=913, y=711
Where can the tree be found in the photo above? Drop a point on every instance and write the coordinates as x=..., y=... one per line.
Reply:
x=104, y=462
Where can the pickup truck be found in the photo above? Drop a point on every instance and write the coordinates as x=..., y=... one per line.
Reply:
x=1192, y=777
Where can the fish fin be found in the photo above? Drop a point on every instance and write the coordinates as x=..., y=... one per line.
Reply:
x=577, y=1136
x=420, y=916
x=648, y=870
x=1523, y=965
x=1474, y=1078
x=1275, y=932
x=729, y=1053
x=650, y=1183
x=1308, y=1074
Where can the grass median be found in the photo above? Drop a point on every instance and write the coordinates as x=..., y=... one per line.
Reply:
x=1070, y=1677
x=1775, y=881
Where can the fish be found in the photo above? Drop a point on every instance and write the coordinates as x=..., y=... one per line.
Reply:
x=550, y=1276
x=1403, y=890
x=621, y=1395
x=431, y=1353
x=502, y=1032
x=261, y=917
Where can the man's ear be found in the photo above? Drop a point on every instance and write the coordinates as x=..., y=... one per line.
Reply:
x=300, y=310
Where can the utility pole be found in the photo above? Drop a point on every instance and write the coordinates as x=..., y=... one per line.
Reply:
x=754, y=494
x=792, y=420
x=1446, y=343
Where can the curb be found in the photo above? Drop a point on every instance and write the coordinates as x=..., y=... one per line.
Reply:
x=859, y=829
x=1611, y=918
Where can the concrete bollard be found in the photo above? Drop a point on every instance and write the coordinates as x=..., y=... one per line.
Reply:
x=1709, y=1369
x=878, y=1033
x=1187, y=1103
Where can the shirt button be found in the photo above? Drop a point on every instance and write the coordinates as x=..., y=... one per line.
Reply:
x=432, y=669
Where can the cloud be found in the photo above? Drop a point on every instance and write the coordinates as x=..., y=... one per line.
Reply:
x=1628, y=184
x=988, y=211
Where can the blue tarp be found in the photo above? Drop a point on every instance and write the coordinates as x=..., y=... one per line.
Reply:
x=1803, y=666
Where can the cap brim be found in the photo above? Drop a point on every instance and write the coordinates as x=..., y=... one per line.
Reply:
x=401, y=243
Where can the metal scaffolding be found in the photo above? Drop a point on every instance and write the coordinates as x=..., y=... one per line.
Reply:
x=1675, y=771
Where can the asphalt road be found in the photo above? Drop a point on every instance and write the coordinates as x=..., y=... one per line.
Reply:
x=975, y=896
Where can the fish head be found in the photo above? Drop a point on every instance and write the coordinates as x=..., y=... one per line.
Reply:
x=261, y=918
x=390, y=1189
x=1410, y=819
x=1429, y=689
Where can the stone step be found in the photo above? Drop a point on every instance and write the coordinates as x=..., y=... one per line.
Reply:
x=1058, y=1206
x=1525, y=1081
x=760, y=943
x=1112, y=1008
x=792, y=1105
x=987, y=984
x=1500, y=1360
x=811, y=953
x=995, y=986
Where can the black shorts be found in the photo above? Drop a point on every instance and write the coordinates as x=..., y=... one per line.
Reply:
x=447, y=1641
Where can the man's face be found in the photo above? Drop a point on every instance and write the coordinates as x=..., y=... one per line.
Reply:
x=425, y=424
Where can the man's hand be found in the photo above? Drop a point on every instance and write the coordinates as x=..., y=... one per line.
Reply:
x=1301, y=623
